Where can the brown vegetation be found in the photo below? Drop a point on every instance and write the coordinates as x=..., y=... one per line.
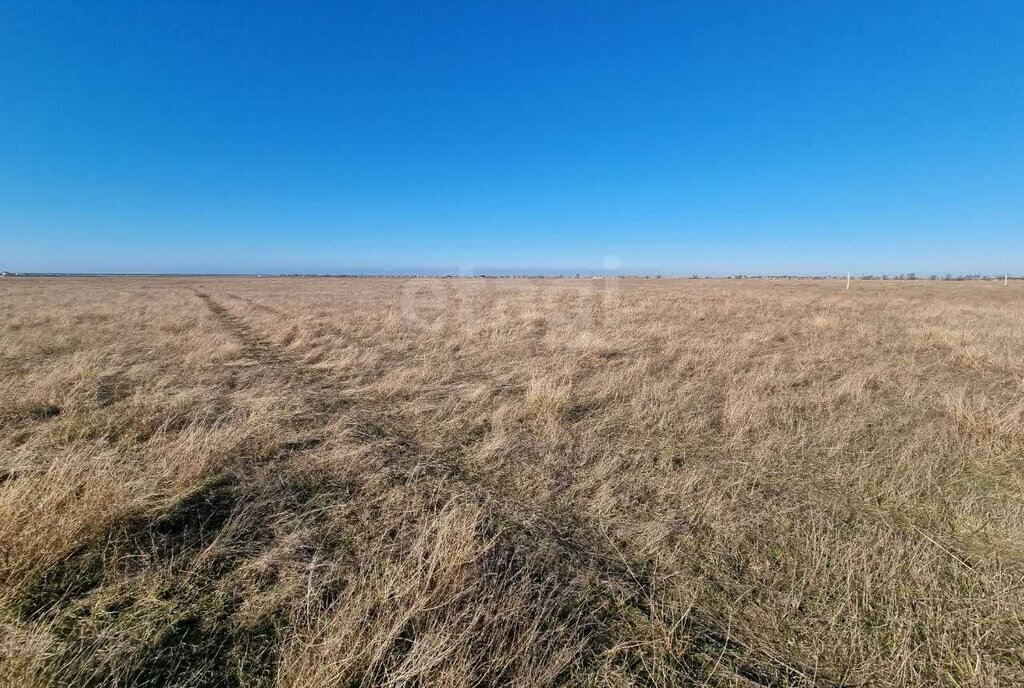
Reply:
x=313, y=483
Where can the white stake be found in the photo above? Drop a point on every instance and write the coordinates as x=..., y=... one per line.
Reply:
x=1006, y=278
x=847, y=281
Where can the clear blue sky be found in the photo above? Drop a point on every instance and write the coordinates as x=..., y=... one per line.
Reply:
x=677, y=137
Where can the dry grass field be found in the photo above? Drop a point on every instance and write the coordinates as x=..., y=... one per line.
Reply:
x=334, y=482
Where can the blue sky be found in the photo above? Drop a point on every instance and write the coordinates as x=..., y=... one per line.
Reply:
x=678, y=137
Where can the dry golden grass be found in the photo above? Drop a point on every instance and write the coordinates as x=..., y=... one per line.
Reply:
x=313, y=483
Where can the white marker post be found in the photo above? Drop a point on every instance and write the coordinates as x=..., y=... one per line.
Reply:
x=1006, y=278
x=847, y=281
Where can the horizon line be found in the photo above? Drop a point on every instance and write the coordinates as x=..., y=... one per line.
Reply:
x=905, y=276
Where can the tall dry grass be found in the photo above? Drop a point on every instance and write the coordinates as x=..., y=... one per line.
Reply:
x=319, y=483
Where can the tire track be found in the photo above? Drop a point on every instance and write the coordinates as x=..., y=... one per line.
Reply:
x=707, y=649
x=371, y=423
x=253, y=345
x=317, y=395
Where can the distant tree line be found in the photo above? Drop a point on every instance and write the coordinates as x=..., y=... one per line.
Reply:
x=946, y=277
